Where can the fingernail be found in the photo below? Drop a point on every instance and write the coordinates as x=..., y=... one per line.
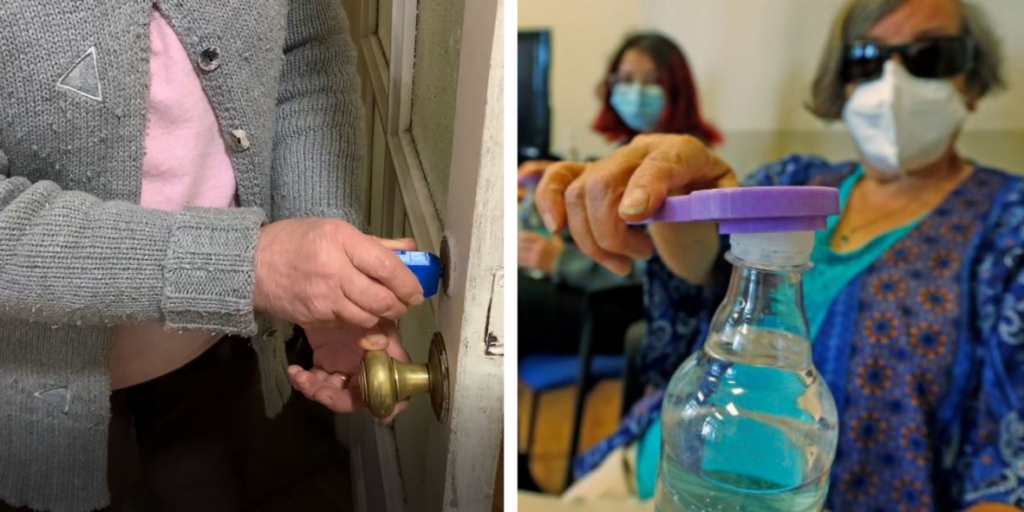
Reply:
x=417, y=299
x=326, y=400
x=634, y=202
x=549, y=221
x=620, y=268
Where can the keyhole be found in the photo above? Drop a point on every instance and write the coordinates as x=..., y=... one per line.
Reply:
x=445, y=265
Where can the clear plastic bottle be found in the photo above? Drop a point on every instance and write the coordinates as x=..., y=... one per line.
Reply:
x=748, y=424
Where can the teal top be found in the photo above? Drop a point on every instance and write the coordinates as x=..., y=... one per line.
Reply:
x=830, y=273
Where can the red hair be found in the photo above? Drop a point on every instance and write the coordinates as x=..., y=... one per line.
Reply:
x=682, y=109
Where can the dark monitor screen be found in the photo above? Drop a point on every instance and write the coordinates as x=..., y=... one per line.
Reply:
x=534, y=112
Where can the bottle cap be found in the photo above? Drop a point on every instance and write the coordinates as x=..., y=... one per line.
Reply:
x=754, y=209
x=426, y=267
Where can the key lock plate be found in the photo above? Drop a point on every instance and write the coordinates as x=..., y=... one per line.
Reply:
x=384, y=382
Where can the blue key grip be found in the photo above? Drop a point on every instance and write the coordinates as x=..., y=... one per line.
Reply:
x=426, y=267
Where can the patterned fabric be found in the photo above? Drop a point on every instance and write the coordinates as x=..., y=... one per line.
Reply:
x=920, y=352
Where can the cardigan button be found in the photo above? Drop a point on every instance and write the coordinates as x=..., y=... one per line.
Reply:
x=209, y=59
x=238, y=140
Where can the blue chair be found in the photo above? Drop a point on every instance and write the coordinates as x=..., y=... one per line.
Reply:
x=607, y=314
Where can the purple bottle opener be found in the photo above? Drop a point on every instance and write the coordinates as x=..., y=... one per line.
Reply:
x=753, y=209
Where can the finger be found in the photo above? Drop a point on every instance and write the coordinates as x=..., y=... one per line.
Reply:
x=377, y=262
x=348, y=313
x=314, y=389
x=687, y=166
x=319, y=374
x=337, y=380
x=603, y=195
x=389, y=330
x=579, y=227
x=304, y=381
x=526, y=237
x=526, y=259
x=550, y=193
x=529, y=245
x=531, y=167
x=372, y=297
x=337, y=400
x=374, y=340
x=397, y=244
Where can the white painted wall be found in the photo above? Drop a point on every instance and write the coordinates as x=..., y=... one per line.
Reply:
x=754, y=61
x=584, y=35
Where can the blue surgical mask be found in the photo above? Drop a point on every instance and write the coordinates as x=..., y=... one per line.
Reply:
x=638, y=105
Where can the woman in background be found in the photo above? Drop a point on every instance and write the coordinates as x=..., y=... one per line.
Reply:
x=649, y=88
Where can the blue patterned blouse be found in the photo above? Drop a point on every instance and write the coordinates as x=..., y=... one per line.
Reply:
x=920, y=351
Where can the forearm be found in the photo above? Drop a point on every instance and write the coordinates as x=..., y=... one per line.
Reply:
x=68, y=257
x=688, y=249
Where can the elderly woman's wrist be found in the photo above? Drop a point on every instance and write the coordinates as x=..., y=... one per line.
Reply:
x=209, y=271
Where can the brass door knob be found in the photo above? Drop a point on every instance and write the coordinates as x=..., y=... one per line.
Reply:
x=385, y=382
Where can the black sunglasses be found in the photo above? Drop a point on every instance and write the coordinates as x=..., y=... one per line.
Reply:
x=938, y=57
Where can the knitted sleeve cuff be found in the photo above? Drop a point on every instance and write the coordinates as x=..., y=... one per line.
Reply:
x=209, y=275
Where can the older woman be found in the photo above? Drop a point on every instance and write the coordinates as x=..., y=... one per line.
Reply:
x=915, y=299
x=144, y=146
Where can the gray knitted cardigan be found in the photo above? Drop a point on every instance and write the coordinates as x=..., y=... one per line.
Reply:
x=78, y=255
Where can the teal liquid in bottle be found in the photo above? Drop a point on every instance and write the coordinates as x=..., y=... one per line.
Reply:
x=748, y=424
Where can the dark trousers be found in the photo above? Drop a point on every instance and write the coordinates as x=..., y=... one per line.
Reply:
x=179, y=442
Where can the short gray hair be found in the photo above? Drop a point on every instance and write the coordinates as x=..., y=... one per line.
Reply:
x=828, y=94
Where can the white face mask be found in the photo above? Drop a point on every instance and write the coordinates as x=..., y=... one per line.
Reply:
x=901, y=122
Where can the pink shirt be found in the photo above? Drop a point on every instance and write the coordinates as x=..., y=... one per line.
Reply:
x=185, y=164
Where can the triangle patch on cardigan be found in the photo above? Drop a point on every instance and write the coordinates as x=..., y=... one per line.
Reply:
x=58, y=398
x=84, y=77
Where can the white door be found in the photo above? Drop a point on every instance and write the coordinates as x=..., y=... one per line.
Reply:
x=433, y=87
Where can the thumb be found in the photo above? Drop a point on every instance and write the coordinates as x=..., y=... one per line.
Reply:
x=684, y=165
x=398, y=244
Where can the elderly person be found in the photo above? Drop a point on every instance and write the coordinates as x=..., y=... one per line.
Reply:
x=150, y=154
x=914, y=302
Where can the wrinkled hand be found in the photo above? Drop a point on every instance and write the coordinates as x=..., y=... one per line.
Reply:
x=539, y=252
x=324, y=272
x=597, y=199
x=530, y=168
x=337, y=352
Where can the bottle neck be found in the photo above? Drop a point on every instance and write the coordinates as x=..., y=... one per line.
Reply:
x=762, y=319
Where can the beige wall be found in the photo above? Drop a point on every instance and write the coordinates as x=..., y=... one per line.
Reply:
x=754, y=61
x=584, y=34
